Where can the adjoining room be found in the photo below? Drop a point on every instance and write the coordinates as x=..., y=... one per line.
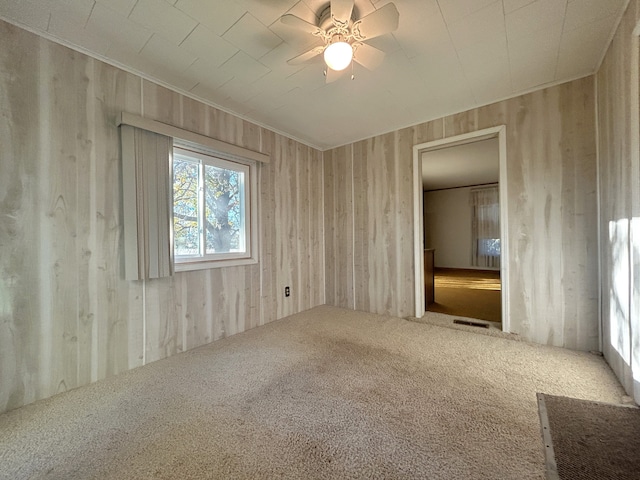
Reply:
x=462, y=230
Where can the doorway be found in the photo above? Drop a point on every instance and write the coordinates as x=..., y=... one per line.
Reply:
x=470, y=252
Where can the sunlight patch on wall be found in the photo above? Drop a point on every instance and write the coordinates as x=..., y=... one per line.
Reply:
x=619, y=287
x=634, y=319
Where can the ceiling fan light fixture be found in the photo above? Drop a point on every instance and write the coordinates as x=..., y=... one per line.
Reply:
x=338, y=54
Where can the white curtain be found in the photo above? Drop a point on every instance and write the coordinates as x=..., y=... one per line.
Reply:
x=485, y=227
x=147, y=203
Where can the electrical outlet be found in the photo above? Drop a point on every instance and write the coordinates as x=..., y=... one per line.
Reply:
x=287, y=292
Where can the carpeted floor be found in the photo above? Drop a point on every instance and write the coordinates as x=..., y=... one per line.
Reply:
x=325, y=394
x=443, y=320
x=468, y=293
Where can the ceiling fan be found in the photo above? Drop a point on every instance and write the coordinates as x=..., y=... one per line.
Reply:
x=344, y=37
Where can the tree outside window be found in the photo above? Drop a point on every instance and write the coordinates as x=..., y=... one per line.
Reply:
x=209, y=206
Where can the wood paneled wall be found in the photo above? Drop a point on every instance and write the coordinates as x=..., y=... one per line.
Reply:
x=67, y=316
x=552, y=214
x=338, y=183
x=619, y=167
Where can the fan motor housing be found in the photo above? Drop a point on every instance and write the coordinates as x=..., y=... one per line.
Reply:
x=325, y=22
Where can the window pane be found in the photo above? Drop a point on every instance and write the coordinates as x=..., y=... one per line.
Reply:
x=224, y=210
x=489, y=246
x=185, y=207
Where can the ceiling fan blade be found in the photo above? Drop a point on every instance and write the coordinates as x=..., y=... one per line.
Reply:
x=332, y=75
x=300, y=24
x=383, y=20
x=341, y=12
x=367, y=56
x=306, y=56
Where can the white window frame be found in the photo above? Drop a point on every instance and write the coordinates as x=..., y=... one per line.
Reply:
x=205, y=156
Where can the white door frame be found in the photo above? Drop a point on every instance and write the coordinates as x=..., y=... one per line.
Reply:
x=418, y=216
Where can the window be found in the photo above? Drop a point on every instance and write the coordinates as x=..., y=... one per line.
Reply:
x=485, y=227
x=489, y=247
x=201, y=212
x=212, y=213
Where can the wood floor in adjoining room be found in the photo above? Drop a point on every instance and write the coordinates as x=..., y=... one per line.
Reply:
x=468, y=293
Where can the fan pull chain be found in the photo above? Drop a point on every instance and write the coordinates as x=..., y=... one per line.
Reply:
x=353, y=76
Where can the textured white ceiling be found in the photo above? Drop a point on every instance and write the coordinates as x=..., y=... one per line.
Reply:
x=446, y=56
x=474, y=163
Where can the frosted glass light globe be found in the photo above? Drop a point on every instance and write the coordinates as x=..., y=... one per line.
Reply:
x=338, y=55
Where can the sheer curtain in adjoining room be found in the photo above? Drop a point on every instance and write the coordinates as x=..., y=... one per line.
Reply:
x=485, y=227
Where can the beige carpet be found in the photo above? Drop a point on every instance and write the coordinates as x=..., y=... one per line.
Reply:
x=326, y=394
x=442, y=320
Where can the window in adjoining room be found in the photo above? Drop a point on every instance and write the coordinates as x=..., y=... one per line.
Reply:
x=485, y=227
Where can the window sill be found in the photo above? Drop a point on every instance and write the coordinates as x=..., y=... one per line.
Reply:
x=209, y=264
